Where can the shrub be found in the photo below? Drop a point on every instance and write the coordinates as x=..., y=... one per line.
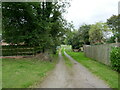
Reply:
x=115, y=58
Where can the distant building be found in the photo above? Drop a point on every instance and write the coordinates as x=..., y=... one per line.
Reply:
x=1, y=41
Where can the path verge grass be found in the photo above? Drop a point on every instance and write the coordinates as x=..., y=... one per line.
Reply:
x=66, y=59
x=22, y=73
x=102, y=71
x=0, y=66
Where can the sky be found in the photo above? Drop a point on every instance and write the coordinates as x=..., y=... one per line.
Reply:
x=90, y=11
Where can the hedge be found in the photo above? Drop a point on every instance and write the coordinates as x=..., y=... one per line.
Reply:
x=115, y=58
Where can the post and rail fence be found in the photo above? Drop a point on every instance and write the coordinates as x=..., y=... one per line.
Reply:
x=19, y=50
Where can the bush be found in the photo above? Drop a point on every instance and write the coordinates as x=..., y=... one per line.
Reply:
x=115, y=58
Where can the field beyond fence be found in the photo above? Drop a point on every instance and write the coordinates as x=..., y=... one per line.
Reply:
x=100, y=53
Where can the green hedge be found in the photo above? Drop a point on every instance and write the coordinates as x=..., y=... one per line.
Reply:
x=115, y=58
x=14, y=50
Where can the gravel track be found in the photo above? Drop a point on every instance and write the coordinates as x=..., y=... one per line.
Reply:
x=76, y=77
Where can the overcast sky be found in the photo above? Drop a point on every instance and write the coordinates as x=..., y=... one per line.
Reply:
x=91, y=11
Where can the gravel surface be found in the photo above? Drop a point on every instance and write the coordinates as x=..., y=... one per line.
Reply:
x=76, y=77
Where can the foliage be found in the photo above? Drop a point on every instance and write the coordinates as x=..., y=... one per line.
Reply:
x=84, y=33
x=96, y=31
x=69, y=33
x=88, y=34
x=114, y=24
x=75, y=41
x=101, y=70
x=115, y=58
x=33, y=23
x=78, y=38
x=18, y=22
x=111, y=39
x=24, y=72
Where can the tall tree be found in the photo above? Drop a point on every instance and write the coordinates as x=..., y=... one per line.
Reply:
x=84, y=33
x=114, y=24
x=96, y=33
x=35, y=24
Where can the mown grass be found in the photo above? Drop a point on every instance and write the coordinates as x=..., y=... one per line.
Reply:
x=0, y=73
x=66, y=59
x=102, y=71
x=22, y=73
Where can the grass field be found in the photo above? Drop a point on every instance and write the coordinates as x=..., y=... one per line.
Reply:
x=102, y=71
x=67, y=61
x=22, y=73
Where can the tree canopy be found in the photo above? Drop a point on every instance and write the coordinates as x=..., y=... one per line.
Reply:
x=84, y=33
x=96, y=32
x=32, y=23
x=88, y=34
x=114, y=24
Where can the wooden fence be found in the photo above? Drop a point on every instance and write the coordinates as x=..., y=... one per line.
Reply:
x=16, y=50
x=100, y=53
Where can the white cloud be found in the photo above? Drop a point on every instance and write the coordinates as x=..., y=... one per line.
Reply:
x=91, y=11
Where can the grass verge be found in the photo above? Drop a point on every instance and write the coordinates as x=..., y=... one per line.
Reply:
x=102, y=71
x=22, y=73
x=67, y=61
x=0, y=73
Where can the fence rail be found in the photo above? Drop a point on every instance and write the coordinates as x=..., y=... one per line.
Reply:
x=15, y=50
x=100, y=53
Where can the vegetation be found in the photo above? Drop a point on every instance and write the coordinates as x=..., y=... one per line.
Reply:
x=78, y=38
x=115, y=58
x=34, y=23
x=111, y=39
x=75, y=40
x=0, y=31
x=39, y=27
x=101, y=70
x=0, y=73
x=113, y=23
x=22, y=73
x=84, y=33
x=96, y=33
x=67, y=61
x=68, y=34
x=88, y=34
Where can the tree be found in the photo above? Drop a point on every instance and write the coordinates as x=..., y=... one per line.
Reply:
x=69, y=33
x=84, y=33
x=114, y=24
x=96, y=33
x=35, y=24
x=75, y=40
x=18, y=22
x=111, y=39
